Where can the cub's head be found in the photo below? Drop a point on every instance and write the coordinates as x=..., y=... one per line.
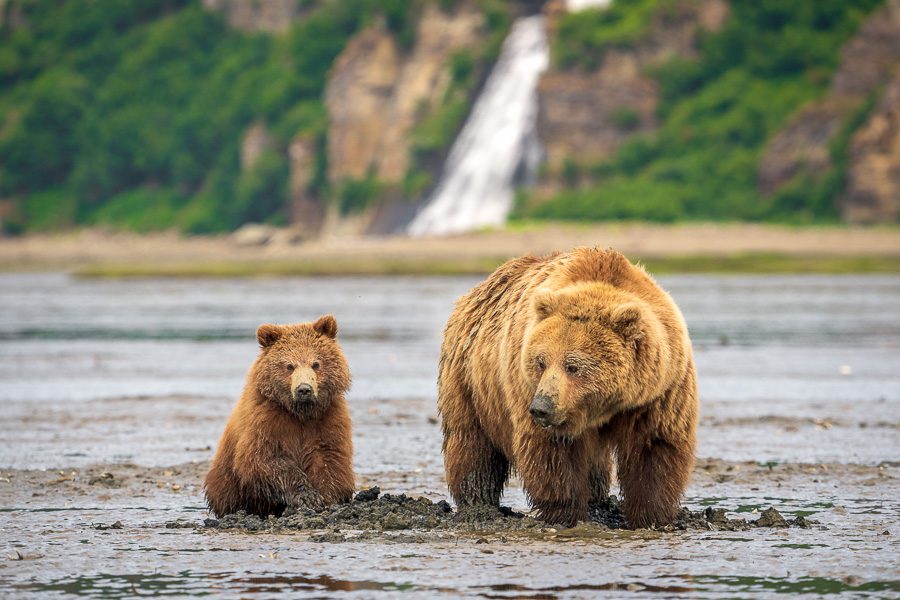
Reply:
x=588, y=356
x=301, y=367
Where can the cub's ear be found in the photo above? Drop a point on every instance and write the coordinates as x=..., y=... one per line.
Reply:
x=326, y=325
x=545, y=302
x=626, y=321
x=267, y=335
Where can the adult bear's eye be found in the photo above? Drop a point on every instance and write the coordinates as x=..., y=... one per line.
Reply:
x=289, y=368
x=541, y=365
x=315, y=365
x=572, y=369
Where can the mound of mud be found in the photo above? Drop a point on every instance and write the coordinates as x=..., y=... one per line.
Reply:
x=372, y=512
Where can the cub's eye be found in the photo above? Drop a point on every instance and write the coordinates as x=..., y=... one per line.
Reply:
x=289, y=368
x=541, y=364
x=572, y=369
x=316, y=365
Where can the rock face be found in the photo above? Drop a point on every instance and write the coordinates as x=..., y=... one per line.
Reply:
x=377, y=93
x=11, y=14
x=577, y=111
x=257, y=141
x=357, y=97
x=306, y=211
x=802, y=147
x=585, y=116
x=257, y=15
x=873, y=176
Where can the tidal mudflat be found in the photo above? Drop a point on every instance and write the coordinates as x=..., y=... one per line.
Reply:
x=115, y=393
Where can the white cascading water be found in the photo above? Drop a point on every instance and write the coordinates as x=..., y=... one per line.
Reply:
x=497, y=144
x=576, y=5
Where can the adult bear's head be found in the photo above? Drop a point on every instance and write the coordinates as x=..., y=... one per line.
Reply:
x=592, y=351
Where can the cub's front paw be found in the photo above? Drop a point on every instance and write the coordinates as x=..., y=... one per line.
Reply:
x=305, y=499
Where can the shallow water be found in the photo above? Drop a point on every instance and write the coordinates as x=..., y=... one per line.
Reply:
x=793, y=372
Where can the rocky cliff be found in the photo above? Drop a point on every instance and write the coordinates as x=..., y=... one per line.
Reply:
x=378, y=92
x=584, y=116
x=273, y=16
x=805, y=148
x=873, y=170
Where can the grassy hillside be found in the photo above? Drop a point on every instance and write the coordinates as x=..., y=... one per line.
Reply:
x=716, y=112
x=131, y=112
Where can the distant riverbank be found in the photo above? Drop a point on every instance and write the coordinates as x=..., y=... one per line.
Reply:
x=662, y=248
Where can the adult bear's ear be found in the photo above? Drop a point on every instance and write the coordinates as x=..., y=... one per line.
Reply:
x=326, y=325
x=626, y=321
x=267, y=335
x=545, y=302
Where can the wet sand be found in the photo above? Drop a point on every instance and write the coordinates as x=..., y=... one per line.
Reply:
x=115, y=393
x=114, y=514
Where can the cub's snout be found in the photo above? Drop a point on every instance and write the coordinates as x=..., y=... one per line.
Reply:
x=304, y=386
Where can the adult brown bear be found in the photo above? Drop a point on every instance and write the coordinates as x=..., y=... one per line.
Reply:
x=554, y=364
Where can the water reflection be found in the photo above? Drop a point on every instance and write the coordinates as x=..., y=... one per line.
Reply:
x=108, y=585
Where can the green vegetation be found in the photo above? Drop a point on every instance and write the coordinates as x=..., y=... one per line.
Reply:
x=131, y=113
x=716, y=112
x=356, y=194
x=583, y=37
x=336, y=266
x=740, y=263
x=625, y=118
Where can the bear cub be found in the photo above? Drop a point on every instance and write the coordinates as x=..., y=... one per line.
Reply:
x=287, y=443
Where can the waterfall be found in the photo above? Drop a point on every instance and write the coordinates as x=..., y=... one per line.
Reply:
x=498, y=145
x=576, y=5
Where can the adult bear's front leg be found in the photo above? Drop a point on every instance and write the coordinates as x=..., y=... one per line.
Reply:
x=556, y=474
x=601, y=467
x=655, y=449
x=475, y=469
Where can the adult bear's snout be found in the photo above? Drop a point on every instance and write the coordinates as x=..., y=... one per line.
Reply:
x=543, y=410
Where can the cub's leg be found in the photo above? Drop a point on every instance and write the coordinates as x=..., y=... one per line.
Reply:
x=223, y=491
x=333, y=476
x=270, y=481
x=476, y=471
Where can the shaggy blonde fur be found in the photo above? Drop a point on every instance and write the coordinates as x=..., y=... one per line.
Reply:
x=554, y=365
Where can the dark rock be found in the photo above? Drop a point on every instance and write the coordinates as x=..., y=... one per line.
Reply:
x=770, y=518
x=715, y=515
x=801, y=522
x=368, y=494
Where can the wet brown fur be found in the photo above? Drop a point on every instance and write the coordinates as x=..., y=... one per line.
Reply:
x=277, y=452
x=633, y=394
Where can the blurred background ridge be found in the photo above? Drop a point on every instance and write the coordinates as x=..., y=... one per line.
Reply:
x=349, y=117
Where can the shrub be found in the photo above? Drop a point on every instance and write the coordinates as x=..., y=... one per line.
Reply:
x=357, y=194
x=625, y=118
x=583, y=37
